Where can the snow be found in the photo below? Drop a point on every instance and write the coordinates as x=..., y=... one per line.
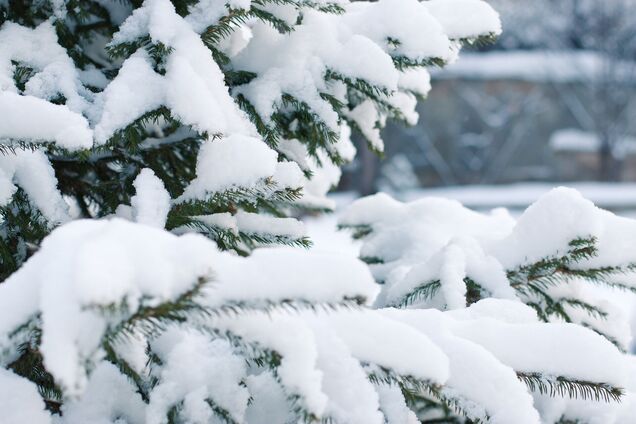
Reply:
x=204, y=14
x=223, y=220
x=289, y=273
x=321, y=315
x=32, y=119
x=217, y=377
x=573, y=140
x=217, y=170
x=465, y=18
x=437, y=239
x=151, y=203
x=269, y=404
x=351, y=398
x=394, y=407
x=366, y=118
x=136, y=90
x=573, y=351
x=193, y=87
x=402, y=349
x=289, y=175
x=419, y=34
x=414, y=233
x=485, y=386
x=417, y=81
x=254, y=223
x=548, y=226
x=288, y=64
x=32, y=171
x=532, y=65
x=294, y=341
x=483, y=351
x=295, y=337
x=20, y=400
x=39, y=49
x=614, y=196
x=109, y=396
x=65, y=282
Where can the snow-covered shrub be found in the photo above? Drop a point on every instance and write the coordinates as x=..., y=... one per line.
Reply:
x=567, y=260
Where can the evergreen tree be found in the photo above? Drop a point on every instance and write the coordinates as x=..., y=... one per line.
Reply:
x=563, y=258
x=112, y=88
x=158, y=120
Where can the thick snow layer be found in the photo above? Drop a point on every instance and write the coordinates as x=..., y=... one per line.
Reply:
x=356, y=334
x=193, y=87
x=503, y=398
x=254, y=223
x=409, y=234
x=20, y=400
x=28, y=118
x=32, y=171
x=402, y=348
x=366, y=117
x=38, y=48
x=216, y=376
x=437, y=241
x=136, y=90
x=294, y=341
x=419, y=34
x=394, y=406
x=351, y=398
x=567, y=350
x=109, y=395
x=432, y=238
x=217, y=170
x=465, y=18
x=288, y=273
x=559, y=217
x=66, y=282
x=151, y=202
x=482, y=347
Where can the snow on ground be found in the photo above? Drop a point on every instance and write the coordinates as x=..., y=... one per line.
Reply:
x=537, y=65
x=619, y=197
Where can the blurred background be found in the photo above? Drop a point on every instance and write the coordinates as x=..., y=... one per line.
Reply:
x=553, y=102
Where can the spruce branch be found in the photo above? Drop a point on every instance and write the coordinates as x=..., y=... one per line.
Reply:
x=420, y=293
x=359, y=231
x=575, y=389
x=231, y=308
x=30, y=365
x=151, y=320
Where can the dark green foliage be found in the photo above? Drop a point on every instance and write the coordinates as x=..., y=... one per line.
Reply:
x=561, y=386
x=22, y=227
x=533, y=281
x=29, y=364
